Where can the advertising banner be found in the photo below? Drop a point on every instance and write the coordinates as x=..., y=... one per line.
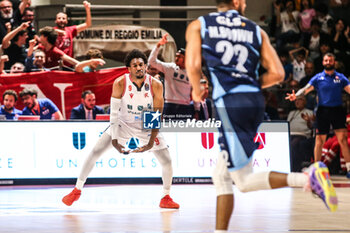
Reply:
x=44, y=150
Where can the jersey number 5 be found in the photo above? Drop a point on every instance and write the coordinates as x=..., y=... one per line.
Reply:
x=229, y=51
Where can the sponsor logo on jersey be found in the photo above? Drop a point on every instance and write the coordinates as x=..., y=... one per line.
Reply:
x=129, y=106
x=131, y=95
x=146, y=87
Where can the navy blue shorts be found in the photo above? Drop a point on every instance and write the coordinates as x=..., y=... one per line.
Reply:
x=240, y=114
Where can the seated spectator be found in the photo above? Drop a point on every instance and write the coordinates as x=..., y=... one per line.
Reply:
x=313, y=40
x=87, y=109
x=13, y=45
x=44, y=108
x=298, y=62
x=300, y=121
x=203, y=110
x=307, y=14
x=340, y=35
x=36, y=61
x=9, y=99
x=288, y=20
x=325, y=47
x=94, y=57
x=324, y=18
x=47, y=38
x=287, y=66
x=17, y=68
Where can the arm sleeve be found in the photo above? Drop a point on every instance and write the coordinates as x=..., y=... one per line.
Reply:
x=159, y=65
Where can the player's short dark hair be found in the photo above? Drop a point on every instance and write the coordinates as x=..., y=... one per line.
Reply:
x=50, y=33
x=28, y=91
x=10, y=92
x=94, y=53
x=223, y=1
x=134, y=54
x=86, y=92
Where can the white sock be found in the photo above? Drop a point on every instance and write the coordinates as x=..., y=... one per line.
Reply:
x=220, y=231
x=80, y=184
x=296, y=179
x=347, y=166
x=166, y=192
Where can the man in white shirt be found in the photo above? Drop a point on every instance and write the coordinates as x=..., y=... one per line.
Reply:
x=177, y=85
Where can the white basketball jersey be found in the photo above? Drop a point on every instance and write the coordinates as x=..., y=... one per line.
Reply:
x=135, y=101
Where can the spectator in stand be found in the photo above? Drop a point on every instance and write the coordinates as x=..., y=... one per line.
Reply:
x=325, y=47
x=177, y=85
x=36, y=61
x=312, y=41
x=13, y=45
x=340, y=36
x=153, y=72
x=17, y=68
x=301, y=143
x=3, y=59
x=10, y=16
x=28, y=16
x=87, y=110
x=298, y=62
x=309, y=73
x=65, y=40
x=287, y=66
x=9, y=98
x=44, y=108
x=95, y=58
x=47, y=38
x=307, y=14
x=324, y=18
x=203, y=109
x=288, y=20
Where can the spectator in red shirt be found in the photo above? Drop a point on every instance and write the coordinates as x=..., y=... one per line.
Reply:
x=47, y=38
x=66, y=34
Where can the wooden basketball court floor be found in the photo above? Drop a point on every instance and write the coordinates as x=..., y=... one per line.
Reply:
x=134, y=208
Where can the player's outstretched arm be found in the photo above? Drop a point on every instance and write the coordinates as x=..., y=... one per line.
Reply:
x=158, y=103
x=271, y=62
x=194, y=58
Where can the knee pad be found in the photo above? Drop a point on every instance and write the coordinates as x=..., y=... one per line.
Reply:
x=221, y=177
x=247, y=181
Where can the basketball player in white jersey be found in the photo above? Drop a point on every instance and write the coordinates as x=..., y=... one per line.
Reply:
x=132, y=94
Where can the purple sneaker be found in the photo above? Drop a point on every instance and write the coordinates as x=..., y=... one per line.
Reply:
x=321, y=185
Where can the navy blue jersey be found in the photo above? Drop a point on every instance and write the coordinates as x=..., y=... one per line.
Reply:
x=231, y=49
x=47, y=109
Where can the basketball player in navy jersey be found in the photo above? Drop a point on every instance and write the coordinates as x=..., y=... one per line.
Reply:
x=232, y=48
x=132, y=94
